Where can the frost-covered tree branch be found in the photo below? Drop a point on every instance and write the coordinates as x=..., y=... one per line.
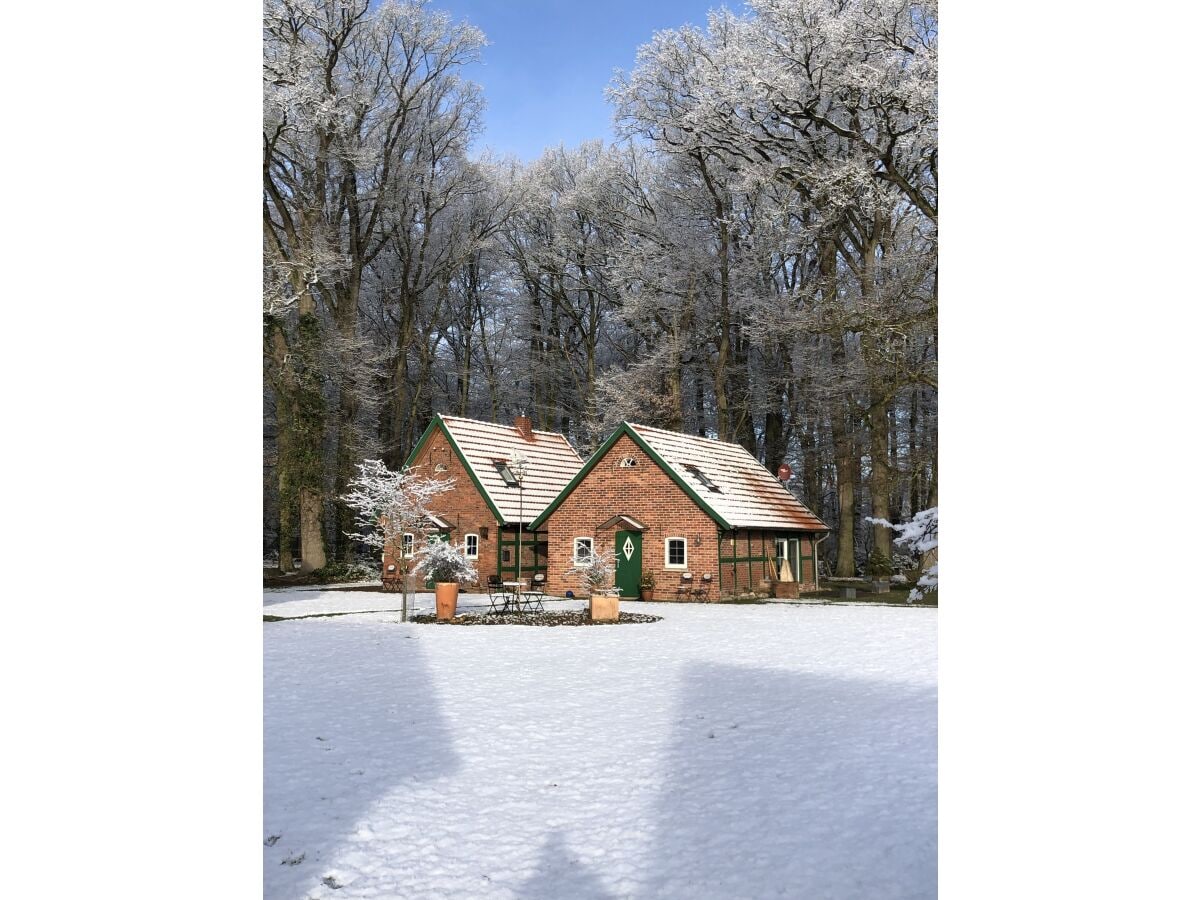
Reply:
x=387, y=505
x=920, y=535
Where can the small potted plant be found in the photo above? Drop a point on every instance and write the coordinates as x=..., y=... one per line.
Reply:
x=447, y=567
x=647, y=585
x=879, y=572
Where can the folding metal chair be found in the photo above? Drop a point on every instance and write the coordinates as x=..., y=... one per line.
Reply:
x=700, y=591
x=684, y=591
x=536, y=593
x=495, y=589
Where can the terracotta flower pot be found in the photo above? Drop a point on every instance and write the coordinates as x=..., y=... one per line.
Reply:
x=647, y=593
x=446, y=594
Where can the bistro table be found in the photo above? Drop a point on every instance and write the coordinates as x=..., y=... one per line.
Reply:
x=512, y=593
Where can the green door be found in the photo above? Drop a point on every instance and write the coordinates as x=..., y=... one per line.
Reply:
x=629, y=563
x=443, y=537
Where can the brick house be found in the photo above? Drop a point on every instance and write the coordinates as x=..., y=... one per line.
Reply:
x=677, y=505
x=488, y=502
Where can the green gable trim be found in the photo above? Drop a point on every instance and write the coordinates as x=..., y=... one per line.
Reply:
x=438, y=423
x=626, y=428
x=416, y=450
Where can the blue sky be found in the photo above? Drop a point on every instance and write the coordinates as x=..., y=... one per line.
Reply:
x=548, y=62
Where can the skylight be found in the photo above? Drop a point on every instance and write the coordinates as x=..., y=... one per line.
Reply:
x=703, y=479
x=505, y=472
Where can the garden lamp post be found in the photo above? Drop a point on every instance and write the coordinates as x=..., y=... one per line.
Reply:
x=519, y=465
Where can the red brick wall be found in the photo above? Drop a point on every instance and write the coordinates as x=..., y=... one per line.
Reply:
x=645, y=493
x=462, y=506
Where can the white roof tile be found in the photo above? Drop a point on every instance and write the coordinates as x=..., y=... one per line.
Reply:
x=552, y=463
x=748, y=497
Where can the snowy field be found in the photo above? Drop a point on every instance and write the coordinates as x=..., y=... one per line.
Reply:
x=726, y=751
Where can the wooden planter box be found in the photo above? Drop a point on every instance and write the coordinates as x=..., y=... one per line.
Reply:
x=602, y=608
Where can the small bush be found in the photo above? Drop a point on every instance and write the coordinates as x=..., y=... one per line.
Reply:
x=340, y=571
x=595, y=571
x=878, y=565
x=444, y=562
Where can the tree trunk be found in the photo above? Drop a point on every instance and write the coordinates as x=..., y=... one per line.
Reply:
x=300, y=420
x=914, y=469
x=288, y=501
x=811, y=462
x=847, y=463
x=312, y=541
x=880, y=481
x=673, y=388
x=773, y=443
x=698, y=401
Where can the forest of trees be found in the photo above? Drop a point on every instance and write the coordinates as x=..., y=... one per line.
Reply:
x=755, y=259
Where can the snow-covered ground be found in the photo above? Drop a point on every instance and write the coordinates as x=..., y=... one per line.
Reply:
x=726, y=751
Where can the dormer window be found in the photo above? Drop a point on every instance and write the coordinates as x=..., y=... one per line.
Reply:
x=505, y=472
x=703, y=479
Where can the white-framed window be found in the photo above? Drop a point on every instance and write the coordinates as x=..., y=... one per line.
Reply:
x=675, y=553
x=583, y=549
x=788, y=552
x=406, y=545
x=471, y=546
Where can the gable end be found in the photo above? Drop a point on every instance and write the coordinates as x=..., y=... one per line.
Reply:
x=437, y=424
x=600, y=454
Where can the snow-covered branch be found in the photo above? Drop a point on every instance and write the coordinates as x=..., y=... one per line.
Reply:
x=920, y=535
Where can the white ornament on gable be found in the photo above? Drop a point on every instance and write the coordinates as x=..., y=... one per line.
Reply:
x=627, y=547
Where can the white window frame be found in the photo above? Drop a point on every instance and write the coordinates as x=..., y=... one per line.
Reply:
x=667, y=553
x=575, y=557
x=467, y=546
x=408, y=544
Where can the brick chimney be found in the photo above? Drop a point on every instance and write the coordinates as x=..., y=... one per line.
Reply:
x=524, y=426
x=785, y=473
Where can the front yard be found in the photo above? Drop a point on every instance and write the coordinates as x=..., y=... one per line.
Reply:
x=725, y=751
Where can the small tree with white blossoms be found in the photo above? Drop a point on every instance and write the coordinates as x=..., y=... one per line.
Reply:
x=921, y=536
x=444, y=562
x=594, y=571
x=388, y=505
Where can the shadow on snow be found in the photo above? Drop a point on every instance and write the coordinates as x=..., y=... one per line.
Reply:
x=819, y=786
x=329, y=745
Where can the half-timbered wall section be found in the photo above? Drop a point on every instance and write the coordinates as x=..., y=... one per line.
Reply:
x=752, y=558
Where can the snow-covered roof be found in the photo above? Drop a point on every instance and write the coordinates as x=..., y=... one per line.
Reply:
x=551, y=463
x=729, y=480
